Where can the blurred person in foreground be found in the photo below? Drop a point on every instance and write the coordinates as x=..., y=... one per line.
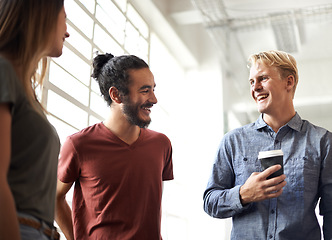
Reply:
x=30, y=31
x=280, y=208
x=118, y=166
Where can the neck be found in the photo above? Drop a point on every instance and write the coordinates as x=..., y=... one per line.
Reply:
x=117, y=123
x=276, y=121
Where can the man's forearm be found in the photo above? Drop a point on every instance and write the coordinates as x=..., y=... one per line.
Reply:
x=63, y=218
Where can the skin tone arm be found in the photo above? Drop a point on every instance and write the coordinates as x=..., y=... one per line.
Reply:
x=62, y=210
x=258, y=188
x=9, y=227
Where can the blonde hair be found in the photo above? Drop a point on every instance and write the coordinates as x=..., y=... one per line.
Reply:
x=285, y=63
x=26, y=28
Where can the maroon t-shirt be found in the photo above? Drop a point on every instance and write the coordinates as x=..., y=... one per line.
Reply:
x=118, y=187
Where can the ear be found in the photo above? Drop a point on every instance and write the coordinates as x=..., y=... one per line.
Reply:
x=114, y=95
x=290, y=81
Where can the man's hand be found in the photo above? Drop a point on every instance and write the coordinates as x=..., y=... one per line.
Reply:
x=257, y=188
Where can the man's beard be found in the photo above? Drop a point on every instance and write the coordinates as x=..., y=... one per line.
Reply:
x=131, y=111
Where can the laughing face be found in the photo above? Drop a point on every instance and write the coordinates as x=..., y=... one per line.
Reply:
x=137, y=104
x=268, y=89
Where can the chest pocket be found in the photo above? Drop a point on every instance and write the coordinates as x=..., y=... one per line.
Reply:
x=244, y=167
x=302, y=173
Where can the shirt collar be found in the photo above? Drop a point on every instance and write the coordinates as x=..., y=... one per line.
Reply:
x=260, y=122
x=295, y=123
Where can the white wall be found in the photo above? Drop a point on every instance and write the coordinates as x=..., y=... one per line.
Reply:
x=189, y=112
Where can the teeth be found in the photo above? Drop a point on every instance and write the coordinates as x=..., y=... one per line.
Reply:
x=262, y=97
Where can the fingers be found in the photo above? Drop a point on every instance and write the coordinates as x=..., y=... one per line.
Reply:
x=276, y=180
x=274, y=194
x=258, y=188
x=267, y=172
x=276, y=187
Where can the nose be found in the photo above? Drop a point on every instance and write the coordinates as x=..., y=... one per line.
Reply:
x=153, y=98
x=67, y=34
x=256, y=85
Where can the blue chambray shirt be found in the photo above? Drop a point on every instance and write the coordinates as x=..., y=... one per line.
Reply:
x=308, y=169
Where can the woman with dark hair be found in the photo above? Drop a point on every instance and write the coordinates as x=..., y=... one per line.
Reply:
x=30, y=31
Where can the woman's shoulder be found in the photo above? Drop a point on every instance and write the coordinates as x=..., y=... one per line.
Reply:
x=6, y=68
x=4, y=62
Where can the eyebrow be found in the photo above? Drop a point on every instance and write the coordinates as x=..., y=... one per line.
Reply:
x=260, y=76
x=146, y=86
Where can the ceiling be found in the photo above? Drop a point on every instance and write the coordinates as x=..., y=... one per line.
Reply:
x=239, y=28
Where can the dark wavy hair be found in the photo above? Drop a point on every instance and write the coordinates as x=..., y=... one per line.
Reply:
x=110, y=71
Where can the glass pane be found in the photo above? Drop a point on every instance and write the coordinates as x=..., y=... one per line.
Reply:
x=75, y=65
x=69, y=84
x=136, y=19
x=122, y=4
x=63, y=129
x=95, y=86
x=79, y=42
x=132, y=39
x=66, y=110
x=93, y=120
x=143, y=49
x=98, y=105
x=106, y=43
x=39, y=92
x=113, y=20
x=112, y=11
x=77, y=16
x=89, y=4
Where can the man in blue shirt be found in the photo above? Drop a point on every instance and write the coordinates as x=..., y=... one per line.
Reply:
x=280, y=208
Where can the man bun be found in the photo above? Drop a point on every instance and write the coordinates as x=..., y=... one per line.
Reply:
x=99, y=62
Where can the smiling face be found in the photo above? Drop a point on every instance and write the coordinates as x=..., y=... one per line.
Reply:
x=137, y=104
x=58, y=38
x=269, y=90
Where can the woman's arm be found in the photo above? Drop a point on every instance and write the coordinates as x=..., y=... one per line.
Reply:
x=9, y=227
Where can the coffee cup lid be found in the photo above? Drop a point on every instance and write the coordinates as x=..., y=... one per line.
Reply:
x=271, y=153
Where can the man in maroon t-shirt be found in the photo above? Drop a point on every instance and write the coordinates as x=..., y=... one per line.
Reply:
x=118, y=166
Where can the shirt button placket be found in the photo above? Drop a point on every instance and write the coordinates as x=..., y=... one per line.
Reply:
x=272, y=219
x=277, y=144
